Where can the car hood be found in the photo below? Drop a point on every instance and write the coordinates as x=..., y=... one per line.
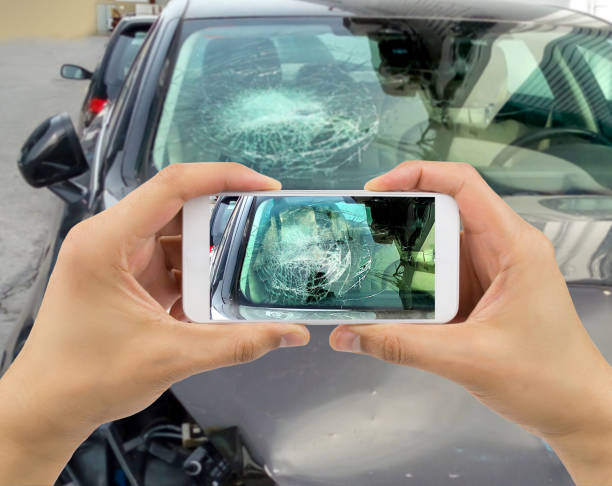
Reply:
x=313, y=416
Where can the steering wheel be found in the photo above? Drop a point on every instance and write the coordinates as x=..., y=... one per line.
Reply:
x=546, y=133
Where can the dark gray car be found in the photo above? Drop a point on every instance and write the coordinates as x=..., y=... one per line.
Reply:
x=107, y=79
x=325, y=95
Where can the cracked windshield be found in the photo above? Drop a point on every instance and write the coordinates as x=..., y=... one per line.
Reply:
x=371, y=253
x=330, y=103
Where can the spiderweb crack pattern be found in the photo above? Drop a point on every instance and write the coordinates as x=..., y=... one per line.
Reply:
x=304, y=264
x=295, y=129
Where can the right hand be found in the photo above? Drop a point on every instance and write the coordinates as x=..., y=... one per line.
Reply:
x=517, y=344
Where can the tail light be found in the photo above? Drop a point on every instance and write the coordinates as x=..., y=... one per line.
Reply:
x=96, y=105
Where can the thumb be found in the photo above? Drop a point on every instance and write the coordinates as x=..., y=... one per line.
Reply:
x=208, y=346
x=446, y=350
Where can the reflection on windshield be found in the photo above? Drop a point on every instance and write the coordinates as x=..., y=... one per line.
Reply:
x=122, y=57
x=366, y=253
x=330, y=103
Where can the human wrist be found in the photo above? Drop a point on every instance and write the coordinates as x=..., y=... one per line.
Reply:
x=586, y=452
x=35, y=430
x=587, y=457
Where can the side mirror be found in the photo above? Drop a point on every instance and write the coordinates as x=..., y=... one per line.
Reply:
x=52, y=153
x=72, y=71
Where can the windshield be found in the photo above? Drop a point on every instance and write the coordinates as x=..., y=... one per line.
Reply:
x=330, y=103
x=341, y=252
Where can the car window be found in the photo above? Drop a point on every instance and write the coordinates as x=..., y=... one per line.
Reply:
x=330, y=103
x=223, y=210
x=336, y=252
x=122, y=57
x=114, y=135
x=524, y=78
x=600, y=62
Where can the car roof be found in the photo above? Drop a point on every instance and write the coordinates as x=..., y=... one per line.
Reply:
x=134, y=21
x=137, y=19
x=503, y=11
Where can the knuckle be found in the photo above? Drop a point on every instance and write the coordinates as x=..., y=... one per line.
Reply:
x=76, y=242
x=539, y=247
x=547, y=246
x=77, y=232
x=393, y=351
x=170, y=174
x=468, y=169
x=244, y=351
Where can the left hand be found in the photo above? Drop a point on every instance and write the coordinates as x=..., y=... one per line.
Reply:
x=103, y=345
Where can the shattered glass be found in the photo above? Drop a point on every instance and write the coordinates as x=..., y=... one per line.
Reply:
x=329, y=103
x=316, y=253
x=300, y=129
x=290, y=106
x=340, y=252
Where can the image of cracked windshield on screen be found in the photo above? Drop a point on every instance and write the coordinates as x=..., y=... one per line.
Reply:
x=326, y=257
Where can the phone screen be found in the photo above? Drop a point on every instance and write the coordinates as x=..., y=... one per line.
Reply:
x=326, y=257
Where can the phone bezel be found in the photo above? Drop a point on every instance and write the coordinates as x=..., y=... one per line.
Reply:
x=196, y=258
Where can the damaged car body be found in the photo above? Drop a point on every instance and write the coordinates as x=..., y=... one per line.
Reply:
x=325, y=95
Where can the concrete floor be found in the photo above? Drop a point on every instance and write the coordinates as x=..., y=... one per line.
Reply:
x=31, y=90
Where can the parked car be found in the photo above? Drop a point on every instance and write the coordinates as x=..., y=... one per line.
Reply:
x=107, y=79
x=323, y=95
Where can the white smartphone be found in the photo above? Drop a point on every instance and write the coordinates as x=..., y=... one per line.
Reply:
x=321, y=257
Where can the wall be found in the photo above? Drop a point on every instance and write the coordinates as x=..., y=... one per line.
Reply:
x=62, y=19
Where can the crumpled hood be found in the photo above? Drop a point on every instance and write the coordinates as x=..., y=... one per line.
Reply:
x=313, y=416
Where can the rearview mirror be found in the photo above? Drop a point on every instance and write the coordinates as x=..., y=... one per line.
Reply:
x=52, y=153
x=72, y=71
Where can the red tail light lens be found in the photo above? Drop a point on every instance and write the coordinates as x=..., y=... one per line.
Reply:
x=96, y=105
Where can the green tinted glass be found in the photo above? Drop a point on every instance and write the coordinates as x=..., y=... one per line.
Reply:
x=599, y=60
x=330, y=103
x=340, y=252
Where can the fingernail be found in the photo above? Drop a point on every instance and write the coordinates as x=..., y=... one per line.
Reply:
x=371, y=184
x=292, y=340
x=348, y=341
x=272, y=183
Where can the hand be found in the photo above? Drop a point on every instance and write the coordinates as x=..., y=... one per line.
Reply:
x=103, y=345
x=517, y=344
